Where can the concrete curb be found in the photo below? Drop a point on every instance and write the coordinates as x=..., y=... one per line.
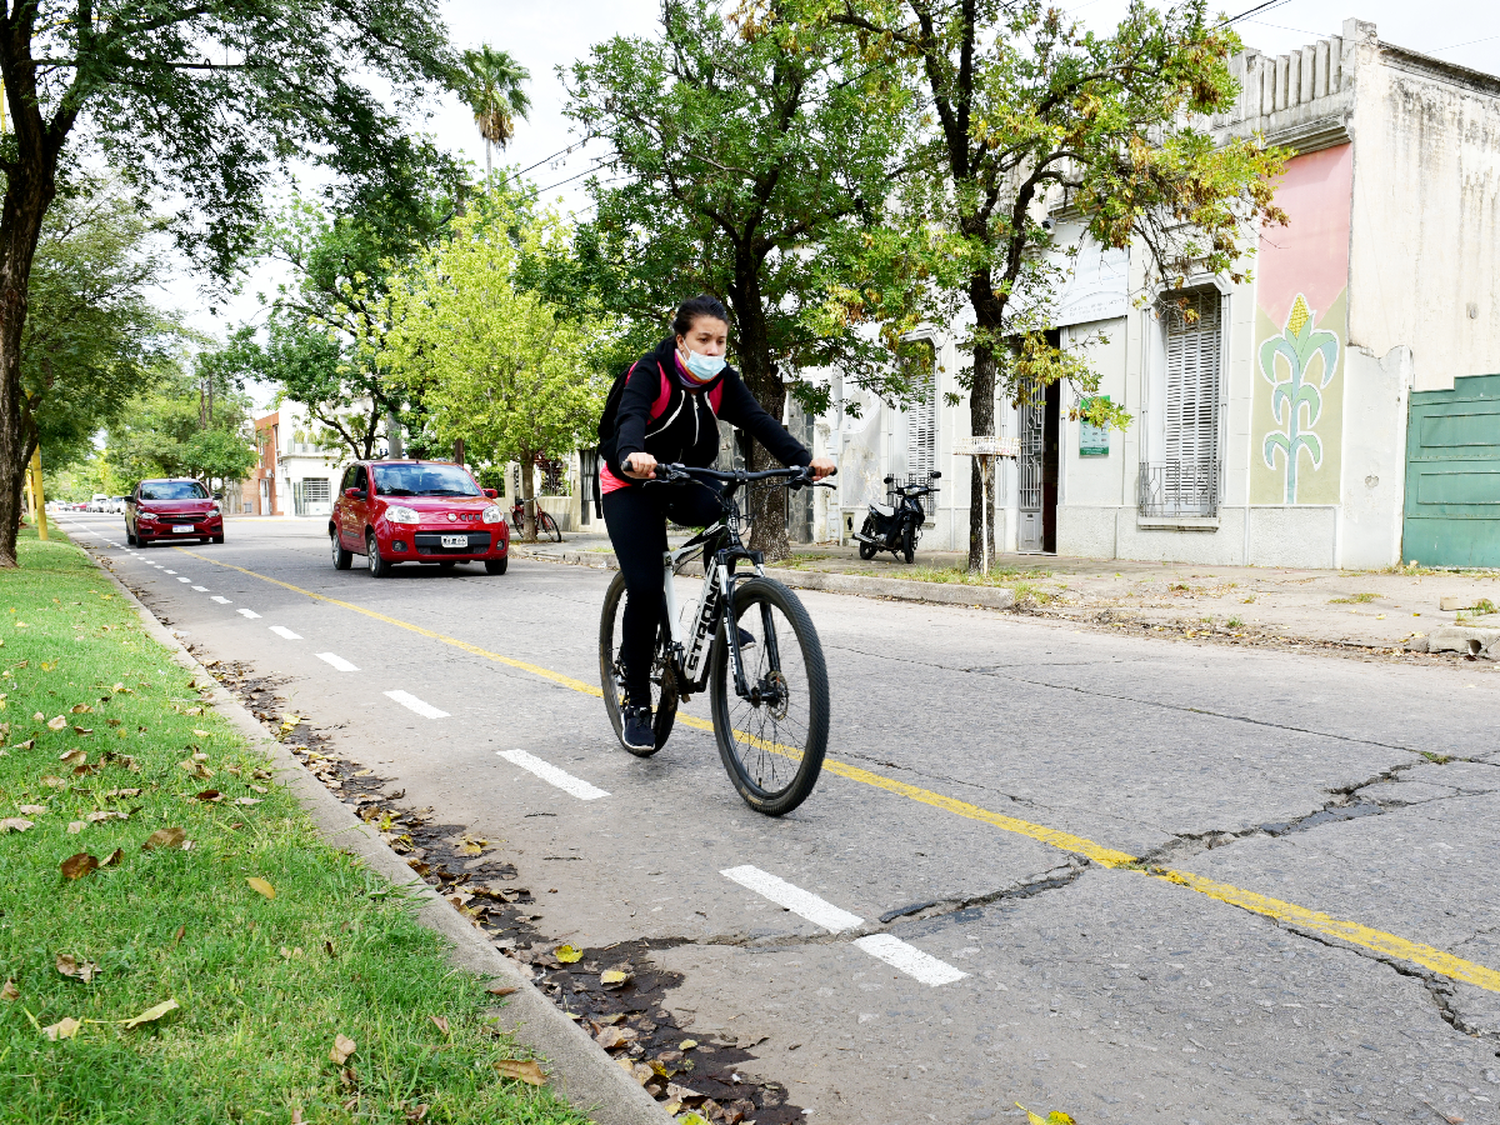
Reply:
x=897, y=589
x=580, y=1070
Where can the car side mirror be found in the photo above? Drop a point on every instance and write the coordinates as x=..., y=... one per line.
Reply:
x=492, y=493
x=354, y=493
x=130, y=500
x=890, y=480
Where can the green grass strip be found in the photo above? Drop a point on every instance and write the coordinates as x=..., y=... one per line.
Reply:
x=263, y=986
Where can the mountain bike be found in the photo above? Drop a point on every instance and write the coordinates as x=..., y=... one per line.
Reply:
x=750, y=642
x=545, y=524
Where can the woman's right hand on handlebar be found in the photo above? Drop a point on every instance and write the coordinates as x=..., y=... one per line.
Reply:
x=641, y=466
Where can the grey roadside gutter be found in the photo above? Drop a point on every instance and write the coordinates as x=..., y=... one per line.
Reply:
x=579, y=1068
x=859, y=585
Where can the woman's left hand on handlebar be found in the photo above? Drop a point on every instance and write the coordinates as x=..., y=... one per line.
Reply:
x=822, y=467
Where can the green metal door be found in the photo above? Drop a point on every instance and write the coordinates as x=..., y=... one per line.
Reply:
x=1452, y=514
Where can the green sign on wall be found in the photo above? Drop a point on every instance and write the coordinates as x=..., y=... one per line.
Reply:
x=1093, y=441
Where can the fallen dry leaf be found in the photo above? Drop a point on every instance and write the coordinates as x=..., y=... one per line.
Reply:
x=164, y=838
x=77, y=866
x=75, y=827
x=247, y=800
x=65, y=1028
x=70, y=966
x=31, y=810
x=442, y=1023
x=343, y=1047
x=611, y=1037
x=115, y=858
x=113, y=793
x=80, y=709
x=83, y=730
x=10, y=991
x=73, y=757
x=54, y=782
x=265, y=888
x=14, y=824
x=500, y=990
x=567, y=954
x=152, y=1014
x=29, y=744
x=200, y=733
x=209, y=795
x=58, y=723
x=522, y=1070
x=614, y=978
x=106, y=814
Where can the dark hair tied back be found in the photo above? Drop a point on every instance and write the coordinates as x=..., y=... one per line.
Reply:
x=690, y=310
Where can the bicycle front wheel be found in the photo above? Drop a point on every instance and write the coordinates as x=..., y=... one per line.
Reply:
x=612, y=673
x=546, y=525
x=773, y=737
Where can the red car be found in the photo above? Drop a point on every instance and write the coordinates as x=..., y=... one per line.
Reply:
x=416, y=511
x=175, y=508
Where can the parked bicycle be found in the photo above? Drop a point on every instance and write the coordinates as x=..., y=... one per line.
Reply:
x=750, y=642
x=545, y=524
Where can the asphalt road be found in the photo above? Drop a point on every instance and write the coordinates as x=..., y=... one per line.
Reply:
x=1311, y=933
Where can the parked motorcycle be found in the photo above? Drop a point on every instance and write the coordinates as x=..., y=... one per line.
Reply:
x=896, y=528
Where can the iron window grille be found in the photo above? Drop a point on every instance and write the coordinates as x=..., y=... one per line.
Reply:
x=1180, y=488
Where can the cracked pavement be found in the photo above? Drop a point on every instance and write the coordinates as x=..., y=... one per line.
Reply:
x=1361, y=791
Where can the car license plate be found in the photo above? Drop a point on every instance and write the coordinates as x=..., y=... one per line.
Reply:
x=455, y=541
x=183, y=528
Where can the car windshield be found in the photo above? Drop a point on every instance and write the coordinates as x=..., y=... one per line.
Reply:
x=423, y=480
x=173, y=490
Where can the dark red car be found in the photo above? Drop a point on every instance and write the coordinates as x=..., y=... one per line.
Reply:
x=416, y=511
x=175, y=508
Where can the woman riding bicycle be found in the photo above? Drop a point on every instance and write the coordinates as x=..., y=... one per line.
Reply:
x=669, y=412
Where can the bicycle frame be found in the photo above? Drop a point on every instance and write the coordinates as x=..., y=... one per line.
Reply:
x=690, y=647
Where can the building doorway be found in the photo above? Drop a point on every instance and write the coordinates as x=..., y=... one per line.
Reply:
x=1038, y=468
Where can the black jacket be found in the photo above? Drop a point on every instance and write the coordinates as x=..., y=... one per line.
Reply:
x=686, y=431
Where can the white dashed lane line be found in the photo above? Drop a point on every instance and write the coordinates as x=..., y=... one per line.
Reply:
x=411, y=702
x=337, y=661
x=250, y=613
x=201, y=589
x=181, y=579
x=888, y=948
x=170, y=571
x=220, y=599
x=909, y=959
x=283, y=631
x=552, y=775
x=805, y=904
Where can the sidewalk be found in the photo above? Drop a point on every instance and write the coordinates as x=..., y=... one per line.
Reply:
x=1356, y=611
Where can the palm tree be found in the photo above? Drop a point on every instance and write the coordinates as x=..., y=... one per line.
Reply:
x=490, y=81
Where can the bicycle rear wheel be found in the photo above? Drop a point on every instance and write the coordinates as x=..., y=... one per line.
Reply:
x=772, y=743
x=612, y=672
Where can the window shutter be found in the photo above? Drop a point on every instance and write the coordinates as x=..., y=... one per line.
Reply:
x=1188, y=475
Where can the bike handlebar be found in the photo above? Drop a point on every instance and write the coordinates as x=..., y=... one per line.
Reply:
x=796, y=477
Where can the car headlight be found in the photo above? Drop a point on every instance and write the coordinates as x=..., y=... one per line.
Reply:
x=492, y=514
x=397, y=514
x=213, y=509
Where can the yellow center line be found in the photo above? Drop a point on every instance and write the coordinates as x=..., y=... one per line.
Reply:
x=1287, y=913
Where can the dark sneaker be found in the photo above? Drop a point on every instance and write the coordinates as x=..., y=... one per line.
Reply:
x=637, y=732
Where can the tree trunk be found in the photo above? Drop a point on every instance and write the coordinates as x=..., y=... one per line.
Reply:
x=765, y=506
x=458, y=450
x=27, y=198
x=528, y=496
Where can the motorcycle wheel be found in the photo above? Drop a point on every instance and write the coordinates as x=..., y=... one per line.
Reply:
x=908, y=545
x=867, y=550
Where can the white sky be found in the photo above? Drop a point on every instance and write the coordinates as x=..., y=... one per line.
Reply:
x=544, y=36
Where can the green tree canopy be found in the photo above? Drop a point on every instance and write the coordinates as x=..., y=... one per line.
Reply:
x=205, y=101
x=497, y=367
x=92, y=338
x=758, y=163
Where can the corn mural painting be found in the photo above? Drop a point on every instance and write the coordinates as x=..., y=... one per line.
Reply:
x=1297, y=400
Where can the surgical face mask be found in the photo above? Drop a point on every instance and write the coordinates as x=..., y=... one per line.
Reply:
x=702, y=367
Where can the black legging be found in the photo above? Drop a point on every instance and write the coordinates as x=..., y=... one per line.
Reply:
x=637, y=521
